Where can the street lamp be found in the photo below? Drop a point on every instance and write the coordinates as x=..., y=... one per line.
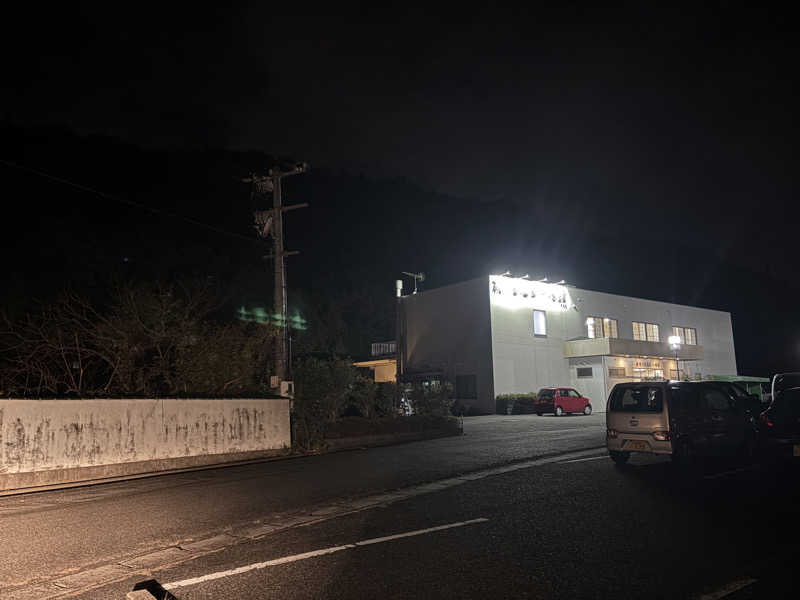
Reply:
x=675, y=344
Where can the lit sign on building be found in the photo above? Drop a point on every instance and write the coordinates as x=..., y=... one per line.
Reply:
x=515, y=292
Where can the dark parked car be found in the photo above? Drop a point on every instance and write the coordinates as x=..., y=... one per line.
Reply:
x=784, y=381
x=779, y=425
x=682, y=419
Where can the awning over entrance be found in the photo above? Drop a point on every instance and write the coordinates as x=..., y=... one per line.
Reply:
x=620, y=347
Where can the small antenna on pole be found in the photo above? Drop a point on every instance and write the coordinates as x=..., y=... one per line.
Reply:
x=417, y=277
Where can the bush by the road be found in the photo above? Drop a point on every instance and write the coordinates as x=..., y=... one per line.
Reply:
x=515, y=404
x=329, y=392
x=431, y=399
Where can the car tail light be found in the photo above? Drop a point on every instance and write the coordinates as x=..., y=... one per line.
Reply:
x=661, y=436
x=612, y=433
x=764, y=418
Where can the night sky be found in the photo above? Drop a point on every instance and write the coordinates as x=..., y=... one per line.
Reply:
x=645, y=152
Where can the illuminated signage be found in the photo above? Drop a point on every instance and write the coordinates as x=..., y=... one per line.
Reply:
x=515, y=292
x=646, y=364
x=260, y=315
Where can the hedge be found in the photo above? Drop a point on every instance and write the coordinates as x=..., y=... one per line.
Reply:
x=515, y=404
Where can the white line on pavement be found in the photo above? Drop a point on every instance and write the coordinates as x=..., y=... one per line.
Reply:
x=322, y=552
x=583, y=459
x=727, y=589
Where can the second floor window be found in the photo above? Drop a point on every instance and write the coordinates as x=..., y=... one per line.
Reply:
x=645, y=332
x=688, y=335
x=539, y=323
x=610, y=326
x=597, y=327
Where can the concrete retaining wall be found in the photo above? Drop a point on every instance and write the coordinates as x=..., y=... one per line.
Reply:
x=47, y=442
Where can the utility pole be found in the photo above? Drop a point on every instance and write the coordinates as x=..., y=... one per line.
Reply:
x=270, y=223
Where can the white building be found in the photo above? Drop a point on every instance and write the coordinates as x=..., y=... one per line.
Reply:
x=501, y=334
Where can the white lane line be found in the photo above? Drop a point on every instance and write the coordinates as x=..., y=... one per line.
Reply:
x=583, y=459
x=727, y=589
x=314, y=553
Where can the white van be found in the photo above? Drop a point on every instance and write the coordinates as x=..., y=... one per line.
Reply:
x=678, y=418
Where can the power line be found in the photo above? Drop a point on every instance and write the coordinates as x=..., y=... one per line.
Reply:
x=107, y=196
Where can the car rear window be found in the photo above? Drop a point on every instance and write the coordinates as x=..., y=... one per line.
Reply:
x=637, y=399
x=545, y=394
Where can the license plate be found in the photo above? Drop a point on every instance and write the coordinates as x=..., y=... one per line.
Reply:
x=796, y=450
x=636, y=445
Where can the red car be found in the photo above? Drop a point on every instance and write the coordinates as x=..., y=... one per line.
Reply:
x=560, y=401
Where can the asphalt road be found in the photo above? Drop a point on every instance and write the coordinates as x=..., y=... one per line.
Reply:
x=51, y=535
x=571, y=525
x=571, y=528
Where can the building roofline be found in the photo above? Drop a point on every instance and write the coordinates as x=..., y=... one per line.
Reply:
x=577, y=289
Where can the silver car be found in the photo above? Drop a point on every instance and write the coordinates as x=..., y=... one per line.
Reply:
x=679, y=418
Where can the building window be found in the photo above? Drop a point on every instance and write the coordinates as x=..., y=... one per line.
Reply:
x=594, y=327
x=688, y=335
x=605, y=327
x=610, y=325
x=616, y=371
x=645, y=332
x=584, y=371
x=539, y=322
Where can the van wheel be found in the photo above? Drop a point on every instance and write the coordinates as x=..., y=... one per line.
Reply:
x=619, y=458
x=538, y=414
x=559, y=411
x=587, y=410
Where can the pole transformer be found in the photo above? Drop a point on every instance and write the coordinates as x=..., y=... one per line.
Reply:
x=270, y=223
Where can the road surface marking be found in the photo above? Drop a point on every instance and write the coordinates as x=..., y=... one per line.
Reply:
x=314, y=553
x=727, y=589
x=583, y=459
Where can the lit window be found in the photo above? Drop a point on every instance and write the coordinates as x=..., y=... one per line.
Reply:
x=679, y=331
x=616, y=372
x=610, y=327
x=691, y=336
x=594, y=327
x=645, y=332
x=539, y=322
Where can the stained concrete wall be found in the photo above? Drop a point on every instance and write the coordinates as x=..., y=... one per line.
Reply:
x=46, y=442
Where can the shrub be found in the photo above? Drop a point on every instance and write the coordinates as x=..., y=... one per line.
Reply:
x=515, y=404
x=321, y=391
x=431, y=399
